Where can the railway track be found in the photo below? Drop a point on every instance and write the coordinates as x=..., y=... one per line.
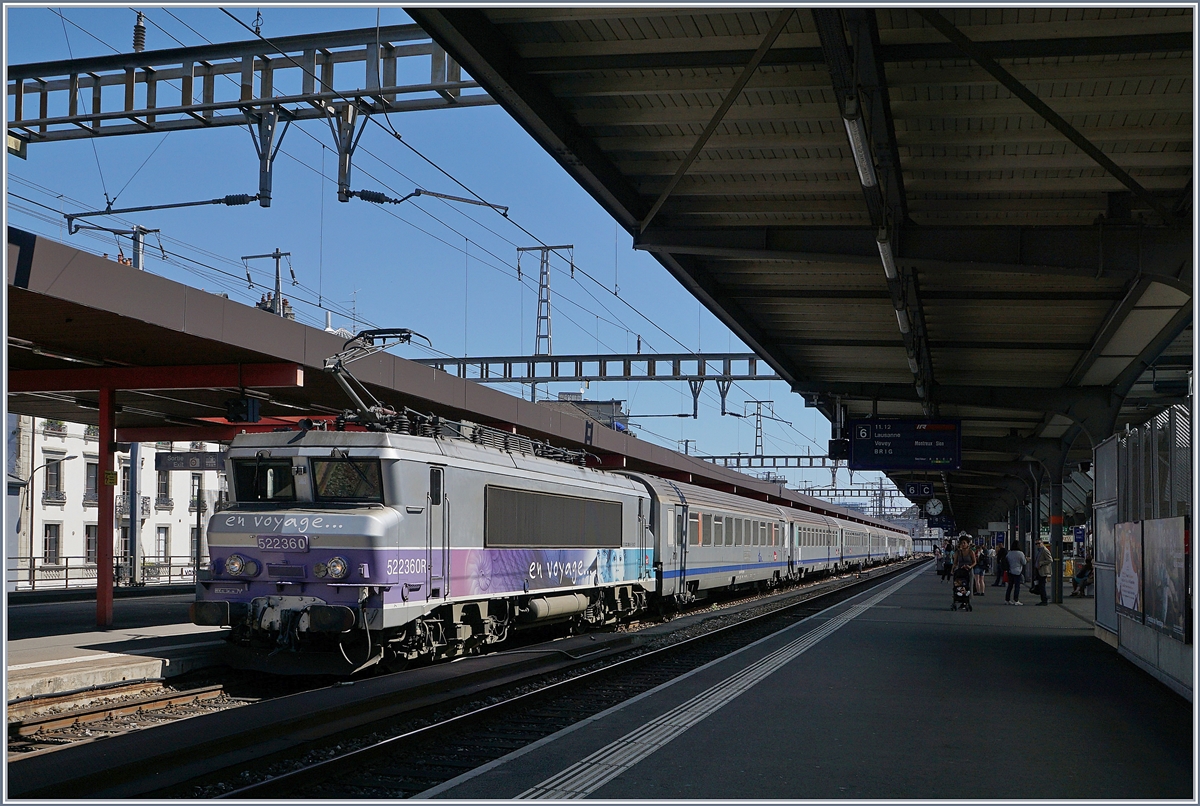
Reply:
x=411, y=758
x=134, y=709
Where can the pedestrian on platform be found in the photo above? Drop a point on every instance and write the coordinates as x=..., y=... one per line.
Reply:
x=981, y=568
x=947, y=559
x=1015, y=565
x=1001, y=566
x=1043, y=567
x=937, y=559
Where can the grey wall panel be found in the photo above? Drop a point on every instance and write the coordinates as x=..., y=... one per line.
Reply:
x=1106, y=600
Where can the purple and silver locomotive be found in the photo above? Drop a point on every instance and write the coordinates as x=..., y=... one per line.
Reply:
x=365, y=547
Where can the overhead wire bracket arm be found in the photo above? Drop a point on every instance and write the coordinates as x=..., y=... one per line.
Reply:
x=375, y=197
x=233, y=200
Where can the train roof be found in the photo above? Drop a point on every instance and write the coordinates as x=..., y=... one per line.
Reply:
x=397, y=446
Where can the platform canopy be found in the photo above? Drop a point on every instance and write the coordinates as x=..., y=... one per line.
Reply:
x=175, y=355
x=975, y=213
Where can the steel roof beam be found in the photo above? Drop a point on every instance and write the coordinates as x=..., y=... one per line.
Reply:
x=1085, y=251
x=900, y=52
x=980, y=56
x=731, y=96
x=851, y=294
x=956, y=344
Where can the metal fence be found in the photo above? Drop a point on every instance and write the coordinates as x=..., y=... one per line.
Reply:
x=1142, y=474
x=34, y=573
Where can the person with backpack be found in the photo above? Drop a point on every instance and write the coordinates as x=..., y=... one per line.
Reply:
x=1015, y=562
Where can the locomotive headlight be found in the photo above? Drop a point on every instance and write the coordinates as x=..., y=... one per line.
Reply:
x=235, y=565
x=337, y=567
x=320, y=570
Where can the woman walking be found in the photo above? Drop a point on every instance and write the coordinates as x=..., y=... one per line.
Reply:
x=1016, y=566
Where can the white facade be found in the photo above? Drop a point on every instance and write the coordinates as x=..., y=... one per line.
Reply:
x=62, y=549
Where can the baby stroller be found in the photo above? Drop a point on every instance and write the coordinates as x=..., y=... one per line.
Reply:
x=962, y=589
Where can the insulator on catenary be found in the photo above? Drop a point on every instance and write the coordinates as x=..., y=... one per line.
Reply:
x=373, y=196
x=139, y=34
x=238, y=198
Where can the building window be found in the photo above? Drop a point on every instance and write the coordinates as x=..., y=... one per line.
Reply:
x=125, y=542
x=54, y=475
x=52, y=491
x=91, y=542
x=195, y=500
x=193, y=546
x=162, y=498
x=50, y=543
x=162, y=540
x=91, y=483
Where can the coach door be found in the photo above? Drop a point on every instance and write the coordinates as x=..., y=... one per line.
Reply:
x=681, y=549
x=437, y=536
x=792, y=548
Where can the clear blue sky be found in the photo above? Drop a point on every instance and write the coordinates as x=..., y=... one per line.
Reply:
x=444, y=270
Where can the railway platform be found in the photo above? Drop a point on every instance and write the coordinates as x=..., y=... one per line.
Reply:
x=876, y=698
x=54, y=647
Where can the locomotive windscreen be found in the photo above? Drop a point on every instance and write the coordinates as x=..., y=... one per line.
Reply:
x=518, y=518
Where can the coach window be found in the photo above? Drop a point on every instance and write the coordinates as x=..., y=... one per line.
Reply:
x=668, y=523
x=706, y=530
x=694, y=529
x=729, y=531
x=737, y=531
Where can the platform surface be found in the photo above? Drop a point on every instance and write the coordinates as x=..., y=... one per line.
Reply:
x=878, y=703
x=55, y=647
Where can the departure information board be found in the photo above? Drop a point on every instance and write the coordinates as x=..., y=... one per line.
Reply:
x=905, y=444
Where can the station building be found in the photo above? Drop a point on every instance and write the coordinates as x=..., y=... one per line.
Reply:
x=53, y=506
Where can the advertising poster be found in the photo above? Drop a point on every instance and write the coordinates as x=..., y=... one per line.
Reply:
x=1129, y=569
x=1106, y=524
x=1165, y=579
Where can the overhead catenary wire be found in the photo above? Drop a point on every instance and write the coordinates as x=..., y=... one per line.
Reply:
x=614, y=321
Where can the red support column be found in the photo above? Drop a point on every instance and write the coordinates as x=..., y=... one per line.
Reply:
x=104, y=527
